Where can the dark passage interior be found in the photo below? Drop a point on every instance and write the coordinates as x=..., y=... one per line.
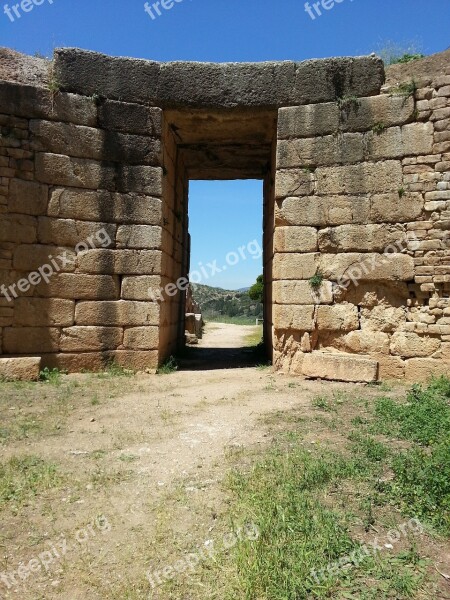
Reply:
x=213, y=145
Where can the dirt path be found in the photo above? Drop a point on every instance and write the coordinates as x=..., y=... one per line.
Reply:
x=152, y=459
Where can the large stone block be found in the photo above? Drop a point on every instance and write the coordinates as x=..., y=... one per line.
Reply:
x=299, y=318
x=389, y=367
x=141, y=338
x=361, y=238
x=328, y=150
x=398, y=142
x=100, y=360
x=144, y=287
x=120, y=313
x=295, y=239
x=353, y=267
x=293, y=182
x=130, y=118
x=121, y=262
x=27, y=197
x=396, y=208
x=339, y=317
x=87, y=339
x=322, y=211
x=103, y=206
x=20, y=229
x=30, y=340
x=57, y=169
x=76, y=286
x=421, y=369
x=363, y=342
x=31, y=257
x=339, y=367
x=300, y=292
x=87, y=142
x=327, y=118
x=36, y=102
x=225, y=85
x=68, y=232
x=139, y=236
x=364, y=178
x=383, y=318
x=40, y=312
x=20, y=369
x=411, y=345
x=295, y=266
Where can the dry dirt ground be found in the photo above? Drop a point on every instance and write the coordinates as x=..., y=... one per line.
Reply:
x=140, y=463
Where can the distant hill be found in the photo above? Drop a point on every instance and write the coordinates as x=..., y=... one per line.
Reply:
x=217, y=304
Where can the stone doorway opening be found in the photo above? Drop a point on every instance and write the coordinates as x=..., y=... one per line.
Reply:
x=212, y=145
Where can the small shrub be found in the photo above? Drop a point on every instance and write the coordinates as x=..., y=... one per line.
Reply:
x=170, y=366
x=315, y=282
x=52, y=376
x=378, y=128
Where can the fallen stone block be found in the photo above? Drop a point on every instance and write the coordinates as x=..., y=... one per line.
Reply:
x=20, y=369
x=339, y=367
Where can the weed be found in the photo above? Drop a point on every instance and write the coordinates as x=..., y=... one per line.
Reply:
x=401, y=192
x=113, y=369
x=406, y=89
x=378, y=128
x=168, y=367
x=322, y=403
x=52, y=376
x=25, y=477
x=315, y=282
x=347, y=103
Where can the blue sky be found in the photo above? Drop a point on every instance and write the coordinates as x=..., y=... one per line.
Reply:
x=227, y=30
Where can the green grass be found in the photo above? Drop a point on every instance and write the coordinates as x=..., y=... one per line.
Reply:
x=306, y=500
x=25, y=477
x=168, y=367
x=237, y=320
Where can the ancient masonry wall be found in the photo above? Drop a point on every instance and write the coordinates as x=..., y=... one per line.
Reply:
x=74, y=171
x=363, y=204
x=94, y=225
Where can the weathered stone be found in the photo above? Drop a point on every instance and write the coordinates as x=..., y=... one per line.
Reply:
x=225, y=85
x=354, y=238
x=79, y=234
x=299, y=318
x=323, y=211
x=363, y=342
x=389, y=367
x=339, y=317
x=103, y=206
x=121, y=262
x=130, y=118
x=295, y=266
x=396, y=208
x=99, y=361
x=421, y=369
x=301, y=292
x=120, y=313
x=87, y=339
x=293, y=182
x=139, y=236
x=382, y=318
x=410, y=345
x=364, y=178
x=141, y=338
x=31, y=257
x=354, y=267
x=30, y=340
x=20, y=229
x=397, y=142
x=27, y=197
x=341, y=367
x=145, y=287
x=76, y=286
x=20, y=369
x=87, y=142
x=42, y=312
x=327, y=150
x=295, y=239
x=362, y=115
x=35, y=102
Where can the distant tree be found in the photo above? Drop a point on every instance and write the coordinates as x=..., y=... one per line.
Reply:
x=256, y=292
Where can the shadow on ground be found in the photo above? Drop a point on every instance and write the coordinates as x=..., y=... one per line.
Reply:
x=208, y=359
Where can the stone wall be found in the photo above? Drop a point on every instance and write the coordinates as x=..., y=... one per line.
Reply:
x=363, y=199
x=94, y=182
